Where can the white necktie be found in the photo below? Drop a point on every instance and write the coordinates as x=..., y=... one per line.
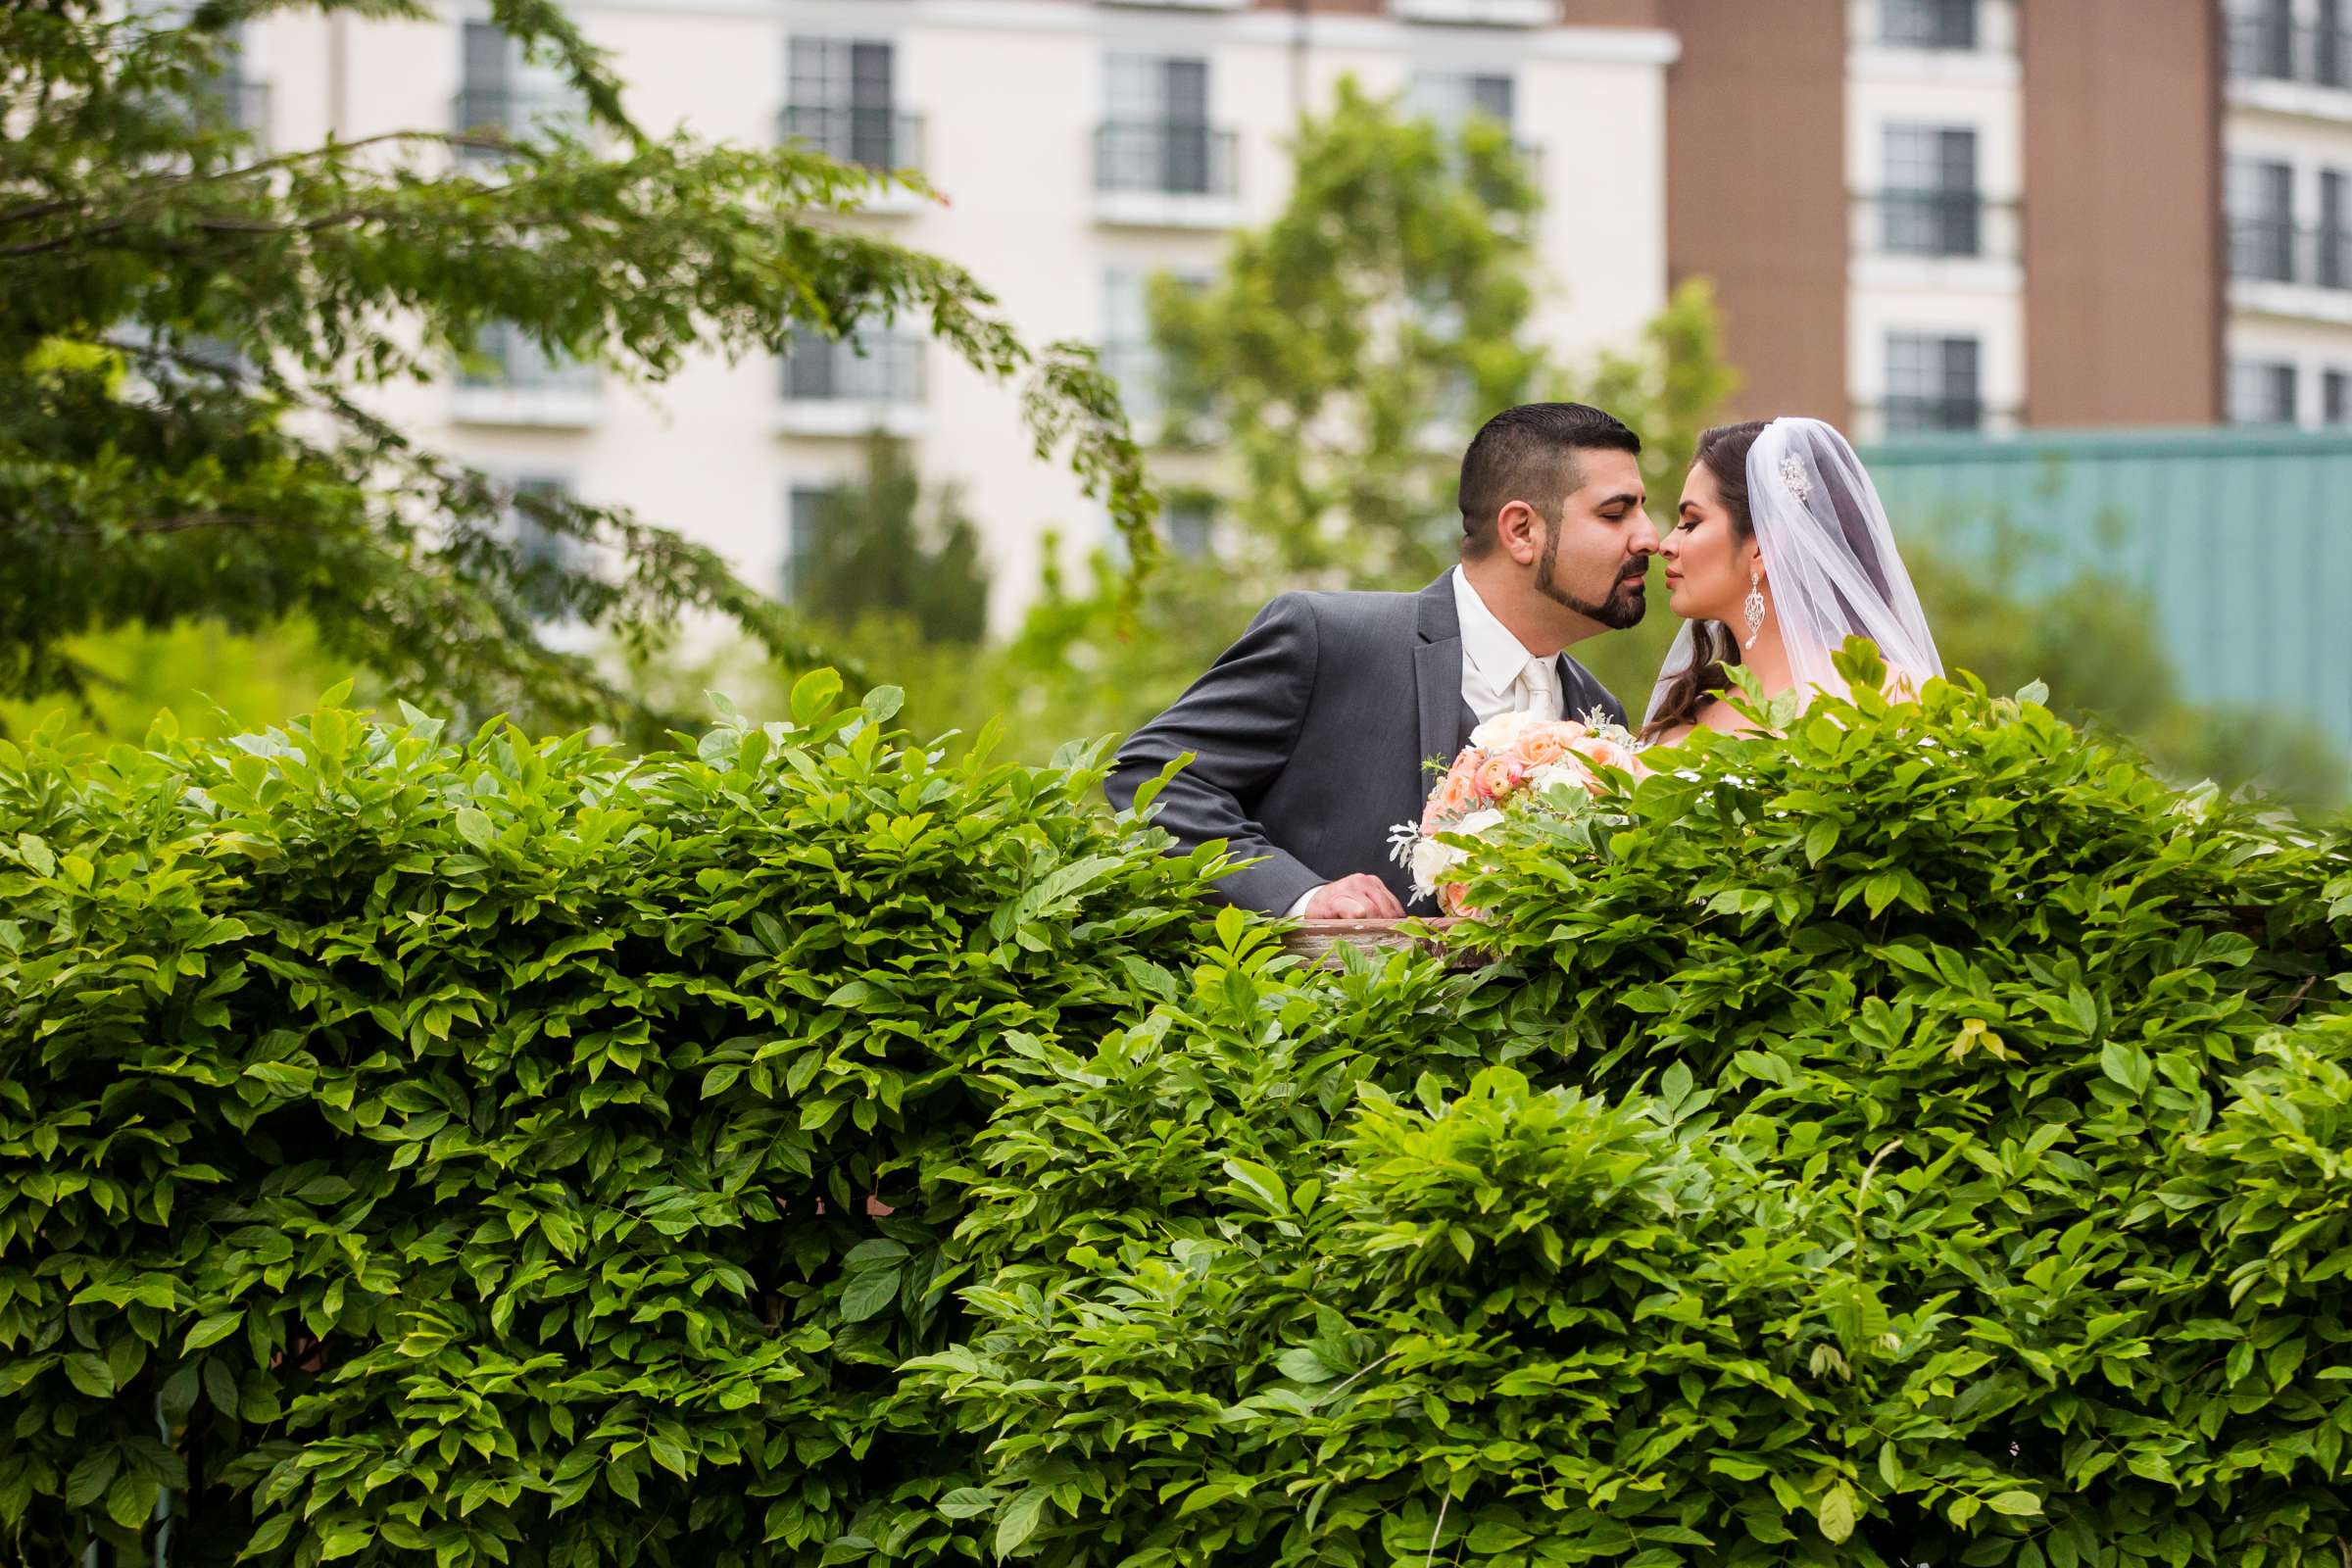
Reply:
x=1540, y=689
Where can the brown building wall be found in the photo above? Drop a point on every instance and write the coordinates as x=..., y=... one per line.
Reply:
x=1755, y=192
x=2123, y=290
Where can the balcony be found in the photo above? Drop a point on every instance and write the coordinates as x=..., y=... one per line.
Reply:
x=1165, y=173
x=1937, y=239
x=1481, y=13
x=512, y=382
x=1907, y=417
x=508, y=114
x=2293, y=69
x=2277, y=269
x=834, y=388
x=876, y=139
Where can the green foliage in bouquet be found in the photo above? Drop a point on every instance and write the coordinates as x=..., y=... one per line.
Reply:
x=1919, y=1139
x=420, y=1151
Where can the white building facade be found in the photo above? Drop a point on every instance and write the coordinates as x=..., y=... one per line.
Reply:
x=2287, y=194
x=1082, y=145
x=1936, y=329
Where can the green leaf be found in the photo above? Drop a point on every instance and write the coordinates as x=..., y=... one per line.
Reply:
x=473, y=826
x=1019, y=1521
x=35, y=855
x=882, y=704
x=1834, y=1512
x=967, y=1502
x=2015, y=1503
x=90, y=1373
x=212, y=1331
x=868, y=1293
x=813, y=695
x=92, y=1476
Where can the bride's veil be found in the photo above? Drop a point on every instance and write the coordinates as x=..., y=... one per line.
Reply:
x=1830, y=561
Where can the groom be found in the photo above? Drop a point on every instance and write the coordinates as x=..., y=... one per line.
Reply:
x=1309, y=734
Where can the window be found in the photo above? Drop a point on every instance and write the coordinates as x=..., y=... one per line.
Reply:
x=883, y=368
x=1129, y=355
x=505, y=356
x=1156, y=134
x=503, y=94
x=839, y=98
x=2336, y=398
x=2334, y=259
x=1928, y=23
x=2259, y=194
x=1931, y=204
x=1192, y=528
x=1451, y=97
x=541, y=555
x=2262, y=392
x=808, y=511
x=1931, y=382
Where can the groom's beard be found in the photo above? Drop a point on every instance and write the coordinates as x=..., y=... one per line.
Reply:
x=1625, y=606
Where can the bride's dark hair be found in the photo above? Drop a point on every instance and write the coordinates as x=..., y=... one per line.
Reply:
x=1724, y=450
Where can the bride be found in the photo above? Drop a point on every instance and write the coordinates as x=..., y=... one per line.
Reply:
x=1780, y=552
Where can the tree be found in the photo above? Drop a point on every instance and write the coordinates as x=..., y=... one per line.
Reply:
x=1344, y=344
x=190, y=330
x=878, y=553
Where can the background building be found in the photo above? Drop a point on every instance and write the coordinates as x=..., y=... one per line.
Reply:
x=1922, y=215
x=1956, y=214
x=1082, y=145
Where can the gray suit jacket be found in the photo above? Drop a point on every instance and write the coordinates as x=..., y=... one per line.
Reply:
x=1308, y=737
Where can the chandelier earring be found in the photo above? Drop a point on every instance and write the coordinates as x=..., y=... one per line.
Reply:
x=1754, y=607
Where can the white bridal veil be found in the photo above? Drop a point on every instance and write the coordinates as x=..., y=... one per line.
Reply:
x=1830, y=561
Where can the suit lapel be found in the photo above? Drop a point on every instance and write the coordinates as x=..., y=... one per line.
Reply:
x=1438, y=676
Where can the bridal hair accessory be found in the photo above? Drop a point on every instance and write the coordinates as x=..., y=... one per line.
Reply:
x=1793, y=474
x=1752, y=607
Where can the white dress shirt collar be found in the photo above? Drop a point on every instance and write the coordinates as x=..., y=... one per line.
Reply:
x=1492, y=658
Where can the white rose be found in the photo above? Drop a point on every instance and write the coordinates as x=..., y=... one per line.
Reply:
x=1430, y=858
x=1501, y=732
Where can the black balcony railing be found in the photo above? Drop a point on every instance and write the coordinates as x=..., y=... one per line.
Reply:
x=1908, y=414
x=871, y=139
x=508, y=360
x=2265, y=250
x=503, y=114
x=1931, y=222
x=1172, y=157
x=818, y=369
x=2265, y=49
x=1957, y=224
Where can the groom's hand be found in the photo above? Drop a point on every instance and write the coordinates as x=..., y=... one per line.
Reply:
x=1361, y=897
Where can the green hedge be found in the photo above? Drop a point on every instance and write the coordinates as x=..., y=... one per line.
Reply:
x=1924, y=1139
x=469, y=1145
x=1899, y=1159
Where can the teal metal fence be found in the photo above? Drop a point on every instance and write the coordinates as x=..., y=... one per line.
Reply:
x=2239, y=540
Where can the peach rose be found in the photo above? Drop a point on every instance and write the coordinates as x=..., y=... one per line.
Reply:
x=1456, y=794
x=1604, y=752
x=1548, y=743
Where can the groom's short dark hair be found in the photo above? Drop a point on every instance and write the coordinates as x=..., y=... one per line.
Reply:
x=1529, y=453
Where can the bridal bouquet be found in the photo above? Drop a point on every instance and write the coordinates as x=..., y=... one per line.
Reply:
x=1513, y=765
